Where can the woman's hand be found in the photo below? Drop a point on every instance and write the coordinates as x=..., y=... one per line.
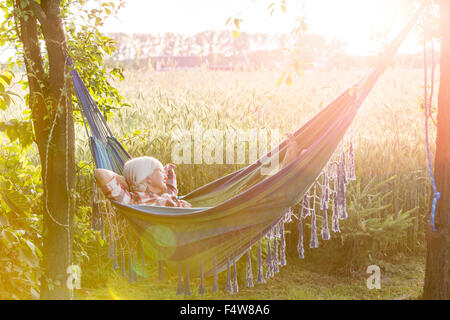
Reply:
x=292, y=149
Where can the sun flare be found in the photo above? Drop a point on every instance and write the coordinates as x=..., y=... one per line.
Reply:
x=361, y=25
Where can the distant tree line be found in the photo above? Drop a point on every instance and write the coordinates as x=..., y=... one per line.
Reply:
x=222, y=50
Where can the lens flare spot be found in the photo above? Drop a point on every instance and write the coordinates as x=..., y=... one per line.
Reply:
x=159, y=242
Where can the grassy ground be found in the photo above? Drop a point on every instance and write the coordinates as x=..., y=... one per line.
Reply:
x=401, y=278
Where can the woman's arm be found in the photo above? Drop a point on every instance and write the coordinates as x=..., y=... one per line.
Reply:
x=103, y=176
x=292, y=151
x=171, y=179
x=113, y=186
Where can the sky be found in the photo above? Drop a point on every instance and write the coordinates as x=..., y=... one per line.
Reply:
x=354, y=22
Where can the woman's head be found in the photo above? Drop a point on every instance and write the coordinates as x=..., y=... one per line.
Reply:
x=145, y=174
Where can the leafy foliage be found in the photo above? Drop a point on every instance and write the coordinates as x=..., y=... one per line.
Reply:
x=20, y=222
x=372, y=230
x=87, y=47
x=21, y=185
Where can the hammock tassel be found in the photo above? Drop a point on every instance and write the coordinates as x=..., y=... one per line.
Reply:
x=235, y=281
x=351, y=163
x=305, y=206
x=341, y=181
x=96, y=221
x=110, y=246
x=269, y=273
x=97, y=218
x=314, y=243
x=160, y=270
x=275, y=260
x=124, y=273
x=343, y=212
x=260, y=278
x=249, y=270
x=288, y=216
x=130, y=269
x=335, y=218
x=343, y=165
x=180, y=288
x=135, y=274
x=143, y=263
x=115, y=264
x=325, y=230
x=187, y=289
x=215, y=286
x=228, y=286
x=325, y=193
x=301, y=250
x=282, y=246
x=103, y=231
x=201, y=290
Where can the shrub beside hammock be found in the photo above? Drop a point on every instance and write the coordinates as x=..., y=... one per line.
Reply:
x=233, y=213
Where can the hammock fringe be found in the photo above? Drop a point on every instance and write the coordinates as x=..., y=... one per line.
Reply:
x=249, y=270
x=228, y=285
x=260, y=278
x=215, y=285
x=201, y=289
x=187, y=288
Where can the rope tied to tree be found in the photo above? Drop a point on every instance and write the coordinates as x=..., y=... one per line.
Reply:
x=427, y=111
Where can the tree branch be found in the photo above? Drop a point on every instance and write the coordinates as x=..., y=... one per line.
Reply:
x=38, y=12
x=27, y=31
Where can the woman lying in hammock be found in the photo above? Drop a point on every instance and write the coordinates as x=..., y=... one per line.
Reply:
x=146, y=182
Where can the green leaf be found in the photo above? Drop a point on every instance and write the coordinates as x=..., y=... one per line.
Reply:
x=16, y=201
x=23, y=4
x=280, y=79
x=9, y=237
x=288, y=80
x=6, y=77
x=237, y=21
x=34, y=294
x=28, y=254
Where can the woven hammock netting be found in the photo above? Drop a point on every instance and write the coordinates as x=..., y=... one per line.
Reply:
x=237, y=211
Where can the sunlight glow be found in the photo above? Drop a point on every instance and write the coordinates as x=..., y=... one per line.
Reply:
x=113, y=294
x=354, y=22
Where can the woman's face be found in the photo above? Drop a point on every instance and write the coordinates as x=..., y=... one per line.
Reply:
x=157, y=181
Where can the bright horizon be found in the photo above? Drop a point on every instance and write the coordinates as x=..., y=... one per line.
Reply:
x=353, y=22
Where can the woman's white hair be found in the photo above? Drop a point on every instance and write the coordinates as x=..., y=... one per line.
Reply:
x=136, y=170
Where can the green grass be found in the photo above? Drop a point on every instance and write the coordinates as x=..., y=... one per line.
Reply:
x=401, y=278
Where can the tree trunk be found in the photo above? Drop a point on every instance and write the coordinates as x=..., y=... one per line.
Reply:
x=51, y=106
x=437, y=272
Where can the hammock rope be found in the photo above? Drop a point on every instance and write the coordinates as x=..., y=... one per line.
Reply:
x=244, y=208
x=427, y=113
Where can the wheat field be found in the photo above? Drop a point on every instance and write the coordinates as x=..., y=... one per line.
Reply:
x=388, y=130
